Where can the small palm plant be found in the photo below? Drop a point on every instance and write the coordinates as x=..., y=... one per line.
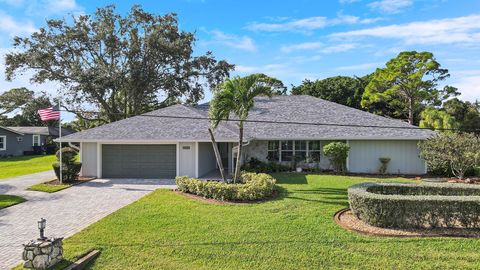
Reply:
x=235, y=97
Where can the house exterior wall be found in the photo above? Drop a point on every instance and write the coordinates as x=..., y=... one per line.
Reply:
x=404, y=155
x=89, y=159
x=206, y=158
x=16, y=148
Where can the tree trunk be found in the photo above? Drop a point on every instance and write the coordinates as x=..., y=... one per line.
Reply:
x=217, y=155
x=239, y=154
x=410, y=111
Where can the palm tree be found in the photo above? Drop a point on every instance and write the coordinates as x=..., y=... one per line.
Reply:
x=236, y=97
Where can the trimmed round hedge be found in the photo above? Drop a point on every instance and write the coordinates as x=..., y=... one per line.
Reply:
x=412, y=205
x=253, y=186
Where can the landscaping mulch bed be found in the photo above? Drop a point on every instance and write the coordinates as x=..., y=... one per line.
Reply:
x=347, y=220
x=80, y=179
x=468, y=180
x=212, y=201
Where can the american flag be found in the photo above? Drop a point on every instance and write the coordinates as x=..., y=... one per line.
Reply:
x=52, y=113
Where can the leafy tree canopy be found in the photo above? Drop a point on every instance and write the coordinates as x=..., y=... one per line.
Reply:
x=14, y=99
x=407, y=82
x=119, y=64
x=28, y=115
x=340, y=89
x=437, y=119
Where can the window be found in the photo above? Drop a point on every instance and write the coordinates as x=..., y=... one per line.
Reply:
x=3, y=142
x=287, y=151
x=273, y=151
x=314, y=151
x=301, y=150
x=36, y=140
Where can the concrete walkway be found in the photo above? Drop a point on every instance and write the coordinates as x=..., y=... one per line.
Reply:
x=67, y=211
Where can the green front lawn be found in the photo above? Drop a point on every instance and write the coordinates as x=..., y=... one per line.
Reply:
x=9, y=200
x=17, y=166
x=165, y=230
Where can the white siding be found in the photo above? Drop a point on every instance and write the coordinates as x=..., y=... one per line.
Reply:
x=206, y=158
x=89, y=159
x=404, y=155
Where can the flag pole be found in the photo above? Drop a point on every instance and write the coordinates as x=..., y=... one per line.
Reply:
x=60, y=136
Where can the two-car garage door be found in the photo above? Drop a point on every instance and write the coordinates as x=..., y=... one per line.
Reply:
x=139, y=161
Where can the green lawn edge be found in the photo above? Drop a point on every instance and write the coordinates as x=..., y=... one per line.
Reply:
x=42, y=187
x=9, y=200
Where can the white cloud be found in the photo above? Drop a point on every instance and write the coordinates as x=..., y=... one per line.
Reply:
x=309, y=24
x=12, y=27
x=390, y=6
x=318, y=46
x=441, y=31
x=468, y=83
x=237, y=42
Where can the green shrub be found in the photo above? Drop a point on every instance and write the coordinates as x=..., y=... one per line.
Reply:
x=411, y=205
x=458, y=153
x=383, y=164
x=70, y=167
x=253, y=187
x=338, y=153
x=255, y=165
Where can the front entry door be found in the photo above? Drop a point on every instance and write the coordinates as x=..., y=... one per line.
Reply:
x=187, y=159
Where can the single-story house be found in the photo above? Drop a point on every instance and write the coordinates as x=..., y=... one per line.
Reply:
x=17, y=141
x=175, y=140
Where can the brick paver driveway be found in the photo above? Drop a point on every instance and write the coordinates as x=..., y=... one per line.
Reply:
x=67, y=211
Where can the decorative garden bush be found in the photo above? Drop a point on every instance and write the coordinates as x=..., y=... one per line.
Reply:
x=253, y=186
x=411, y=205
x=338, y=153
x=70, y=167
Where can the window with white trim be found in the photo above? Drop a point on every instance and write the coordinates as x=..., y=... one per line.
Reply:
x=314, y=151
x=273, y=151
x=36, y=140
x=3, y=143
x=300, y=151
x=286, y=151
x=303, y=151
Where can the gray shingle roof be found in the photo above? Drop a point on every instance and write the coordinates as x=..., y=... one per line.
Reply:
x=305, y=109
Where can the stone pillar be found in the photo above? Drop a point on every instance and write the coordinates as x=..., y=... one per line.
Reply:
x=42, y=254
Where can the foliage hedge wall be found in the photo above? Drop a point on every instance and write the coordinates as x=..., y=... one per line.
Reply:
x=253, y=186
x=411, y=205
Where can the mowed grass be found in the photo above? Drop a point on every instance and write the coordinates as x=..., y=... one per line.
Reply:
x=9, y=200
x=17, y=166
x=165, y=230
x=42, y=187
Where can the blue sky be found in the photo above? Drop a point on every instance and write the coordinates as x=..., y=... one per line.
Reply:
x=294, y=40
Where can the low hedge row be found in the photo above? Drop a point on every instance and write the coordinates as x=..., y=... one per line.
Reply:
x=411, y=205
x=253, y=186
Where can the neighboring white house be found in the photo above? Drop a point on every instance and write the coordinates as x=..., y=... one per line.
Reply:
x=175, y=140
